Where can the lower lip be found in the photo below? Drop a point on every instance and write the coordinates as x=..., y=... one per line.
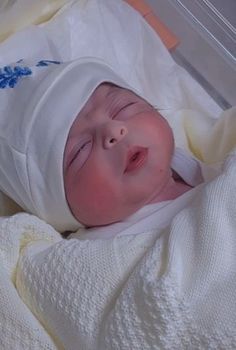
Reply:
x=138, y=162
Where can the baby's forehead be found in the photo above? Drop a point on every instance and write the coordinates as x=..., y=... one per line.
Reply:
x=103, y=92
x=106, y=90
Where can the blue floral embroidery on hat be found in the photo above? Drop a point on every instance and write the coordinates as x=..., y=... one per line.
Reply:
x=9, y=76
x=45, y=63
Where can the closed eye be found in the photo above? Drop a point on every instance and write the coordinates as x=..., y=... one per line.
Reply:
x=80, y=153
x=122, y=109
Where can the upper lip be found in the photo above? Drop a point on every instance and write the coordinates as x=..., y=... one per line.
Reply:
x=135, y=157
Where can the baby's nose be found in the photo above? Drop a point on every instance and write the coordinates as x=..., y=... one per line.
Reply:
x=114, y=132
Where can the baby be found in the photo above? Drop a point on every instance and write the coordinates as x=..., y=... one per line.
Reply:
x=79, y=146
x=118, y=158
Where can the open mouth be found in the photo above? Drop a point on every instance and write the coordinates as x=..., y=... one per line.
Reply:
x=136, y=158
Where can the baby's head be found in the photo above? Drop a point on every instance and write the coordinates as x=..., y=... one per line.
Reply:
x=117, y=156
x=77, y=145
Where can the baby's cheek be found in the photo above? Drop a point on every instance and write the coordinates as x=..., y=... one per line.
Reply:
x=95, y=200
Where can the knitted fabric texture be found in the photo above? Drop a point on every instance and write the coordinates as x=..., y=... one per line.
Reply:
x=174, y=291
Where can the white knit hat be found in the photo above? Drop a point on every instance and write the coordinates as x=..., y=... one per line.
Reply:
x=38, y=104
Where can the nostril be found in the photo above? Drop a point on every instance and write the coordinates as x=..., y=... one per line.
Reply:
x=114, y=135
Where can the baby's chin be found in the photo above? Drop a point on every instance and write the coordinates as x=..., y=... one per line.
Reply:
x=97, y=222
x=101, y=219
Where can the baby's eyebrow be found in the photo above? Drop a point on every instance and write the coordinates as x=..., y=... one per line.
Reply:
x=110, y=92
x=114, y=90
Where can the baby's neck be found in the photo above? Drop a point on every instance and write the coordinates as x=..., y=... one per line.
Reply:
x=173, y=189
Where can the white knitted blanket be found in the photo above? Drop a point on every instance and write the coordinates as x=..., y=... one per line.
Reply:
x=146, y=291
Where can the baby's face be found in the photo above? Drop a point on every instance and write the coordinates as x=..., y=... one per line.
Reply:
x=117, y=156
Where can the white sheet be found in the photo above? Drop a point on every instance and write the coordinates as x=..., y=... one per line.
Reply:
x=17, y=14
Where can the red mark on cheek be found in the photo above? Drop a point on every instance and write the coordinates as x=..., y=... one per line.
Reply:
x=98, y=192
